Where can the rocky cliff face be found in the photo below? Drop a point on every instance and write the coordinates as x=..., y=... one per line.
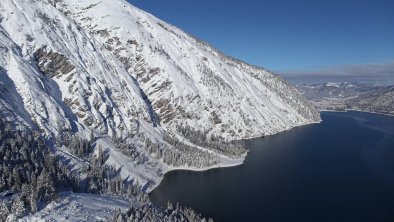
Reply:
x=108, y=69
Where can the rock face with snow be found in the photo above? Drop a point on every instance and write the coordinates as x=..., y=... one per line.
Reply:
x=187, y=81
x=108, y=68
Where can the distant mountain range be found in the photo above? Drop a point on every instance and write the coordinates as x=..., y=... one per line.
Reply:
x=355, y=96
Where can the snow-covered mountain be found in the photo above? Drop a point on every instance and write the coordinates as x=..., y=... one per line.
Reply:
x=379, y=100
x=354, y=96
x=334, y=89
x=107, y=69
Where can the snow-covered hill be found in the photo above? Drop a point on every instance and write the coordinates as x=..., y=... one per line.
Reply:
x=107, y=69
x=353, y=96
x=379, y=100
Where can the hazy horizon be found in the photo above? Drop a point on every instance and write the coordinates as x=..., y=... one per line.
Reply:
x=303, y=40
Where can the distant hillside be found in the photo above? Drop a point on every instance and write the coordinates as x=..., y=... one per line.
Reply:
x=356, y=96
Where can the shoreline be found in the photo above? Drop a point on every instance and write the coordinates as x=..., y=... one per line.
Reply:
x=220, y=165
x=355, y=110
x=225, y=164
x=229, y=163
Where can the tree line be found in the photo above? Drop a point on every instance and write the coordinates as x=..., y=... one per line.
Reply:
x=31, y=174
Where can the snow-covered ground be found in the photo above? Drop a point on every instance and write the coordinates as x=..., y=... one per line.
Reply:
x=350, y=96
x=108, y=68
x=81, y=207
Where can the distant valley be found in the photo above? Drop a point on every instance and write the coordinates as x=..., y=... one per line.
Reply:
x=350, y=96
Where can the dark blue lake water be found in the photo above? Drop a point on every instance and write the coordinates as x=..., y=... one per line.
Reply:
x=339, y=170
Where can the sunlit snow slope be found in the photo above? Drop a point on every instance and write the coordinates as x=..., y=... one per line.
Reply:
x=108, y=67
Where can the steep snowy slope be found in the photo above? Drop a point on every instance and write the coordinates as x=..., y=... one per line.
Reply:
x=56, y=78
x=63, y=75
x=107, y=69
x=188, y=82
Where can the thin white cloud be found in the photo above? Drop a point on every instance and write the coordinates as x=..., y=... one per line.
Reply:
x=382, y=73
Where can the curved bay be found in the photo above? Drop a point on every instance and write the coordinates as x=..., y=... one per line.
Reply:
x=339, y=170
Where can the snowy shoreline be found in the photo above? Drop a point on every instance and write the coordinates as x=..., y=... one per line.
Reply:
x=225, y=164
x=240, y=161
x=355, y=110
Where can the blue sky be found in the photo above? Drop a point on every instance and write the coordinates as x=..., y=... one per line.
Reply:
x=312, y=37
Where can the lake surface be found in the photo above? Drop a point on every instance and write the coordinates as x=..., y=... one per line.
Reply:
x=339, y=170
